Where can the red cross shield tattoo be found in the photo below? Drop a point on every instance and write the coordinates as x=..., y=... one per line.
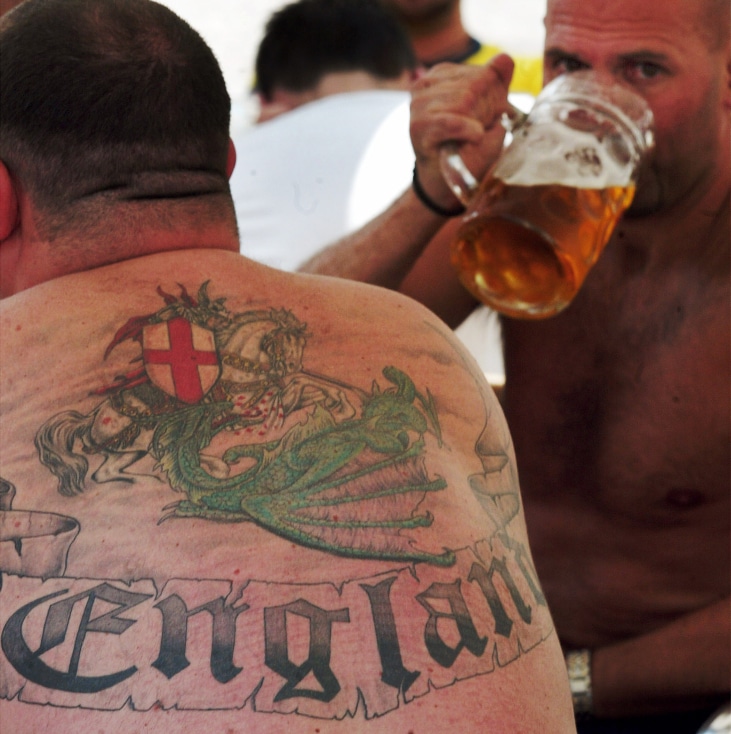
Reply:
x=180, y=358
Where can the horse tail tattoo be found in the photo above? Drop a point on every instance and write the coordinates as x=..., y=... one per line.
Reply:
x=55, y=444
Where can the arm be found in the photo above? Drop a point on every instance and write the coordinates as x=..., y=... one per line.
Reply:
x=383, y=251
x=451, y=102
x=677, y=667
x=433, y=282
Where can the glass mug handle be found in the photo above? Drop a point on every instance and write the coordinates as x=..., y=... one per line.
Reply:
x=459, y=178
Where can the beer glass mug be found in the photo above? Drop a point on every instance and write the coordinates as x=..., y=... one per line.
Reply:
x=544, y=212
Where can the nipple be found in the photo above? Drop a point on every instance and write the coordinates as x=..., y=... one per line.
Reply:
x=634, y=260
x=684, y=499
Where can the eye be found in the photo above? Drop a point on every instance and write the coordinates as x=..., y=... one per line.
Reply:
x=642, y=71
x=567, y=64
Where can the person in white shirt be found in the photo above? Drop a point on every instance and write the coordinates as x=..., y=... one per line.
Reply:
x=331, y=146
x=319, y=171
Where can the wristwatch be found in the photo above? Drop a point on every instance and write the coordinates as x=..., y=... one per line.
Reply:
x=578, y=665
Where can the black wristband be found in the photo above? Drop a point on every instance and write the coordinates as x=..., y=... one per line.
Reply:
x=430, y=205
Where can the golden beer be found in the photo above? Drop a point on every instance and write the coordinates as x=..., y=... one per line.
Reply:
x=540, y=219
x=534, y=269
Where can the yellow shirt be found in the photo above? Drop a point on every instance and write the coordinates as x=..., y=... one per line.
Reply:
x=528, y=74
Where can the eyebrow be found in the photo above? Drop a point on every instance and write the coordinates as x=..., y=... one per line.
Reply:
x=644, y=55
x=554, y=53
x=551, y=54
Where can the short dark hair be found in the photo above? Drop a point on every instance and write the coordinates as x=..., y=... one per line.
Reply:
x=96, y=93
x=307, y=39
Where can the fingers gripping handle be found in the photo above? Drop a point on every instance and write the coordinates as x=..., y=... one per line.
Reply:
x=459, y=178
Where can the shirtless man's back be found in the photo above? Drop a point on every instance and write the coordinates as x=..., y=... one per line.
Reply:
x=323, y=532
x=231, y=499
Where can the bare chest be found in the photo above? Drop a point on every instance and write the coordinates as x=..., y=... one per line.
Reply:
x=622, y=402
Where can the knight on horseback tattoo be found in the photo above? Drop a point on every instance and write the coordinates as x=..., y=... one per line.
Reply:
x=319, y=462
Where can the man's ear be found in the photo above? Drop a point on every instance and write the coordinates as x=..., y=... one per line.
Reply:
x=230, y=158
x=281, y=101
x=8, y=203
x=270, y=110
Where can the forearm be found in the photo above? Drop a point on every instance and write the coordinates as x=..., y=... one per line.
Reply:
x=681, y=666
x=433, y=282
x=383, y=251
x=450, y=103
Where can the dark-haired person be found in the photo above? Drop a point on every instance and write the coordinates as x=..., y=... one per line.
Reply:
x=314, y=48
x=231, y=499
x=438, y=34
x=331, y=149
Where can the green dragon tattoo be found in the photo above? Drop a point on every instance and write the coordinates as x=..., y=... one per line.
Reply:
x=323, y=464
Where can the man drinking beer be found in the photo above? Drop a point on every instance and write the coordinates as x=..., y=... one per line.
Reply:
x=619, y=406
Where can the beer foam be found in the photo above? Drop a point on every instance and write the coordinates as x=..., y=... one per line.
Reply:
x=553, y=154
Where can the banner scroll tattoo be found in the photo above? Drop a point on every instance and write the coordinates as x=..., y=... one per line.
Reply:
x=33, y=543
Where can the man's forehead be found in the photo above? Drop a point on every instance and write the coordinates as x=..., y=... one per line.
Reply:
x=646, y=12
x=622, y=23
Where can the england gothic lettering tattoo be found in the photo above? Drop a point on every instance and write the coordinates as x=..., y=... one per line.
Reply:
x=98, y=644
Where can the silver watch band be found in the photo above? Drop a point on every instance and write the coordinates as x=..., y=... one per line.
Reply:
x=578, y=665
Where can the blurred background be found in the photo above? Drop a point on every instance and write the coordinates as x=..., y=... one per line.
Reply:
x=233, y=28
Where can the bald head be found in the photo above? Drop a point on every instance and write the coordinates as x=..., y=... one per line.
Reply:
x=716, y=19
x=709, y=18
